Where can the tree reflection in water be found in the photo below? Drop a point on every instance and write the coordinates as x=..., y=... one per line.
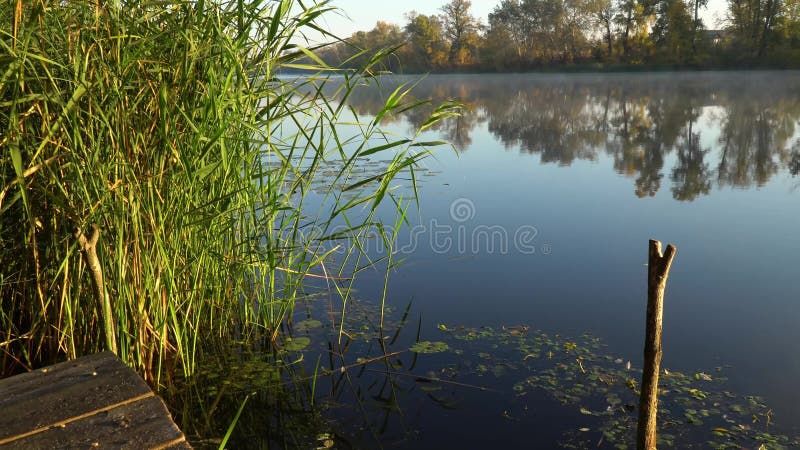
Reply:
x=729, y=129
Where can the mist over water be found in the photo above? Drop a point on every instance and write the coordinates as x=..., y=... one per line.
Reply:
x=718, y=129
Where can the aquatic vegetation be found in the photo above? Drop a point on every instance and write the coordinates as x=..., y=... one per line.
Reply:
x=429, y=347
x=366, y=389
x=241, y=396
x=596, y=389
x=695, y=410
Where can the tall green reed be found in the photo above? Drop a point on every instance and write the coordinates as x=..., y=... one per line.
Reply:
x=166, y=129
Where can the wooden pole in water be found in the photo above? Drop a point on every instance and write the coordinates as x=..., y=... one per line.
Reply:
x=657, y=273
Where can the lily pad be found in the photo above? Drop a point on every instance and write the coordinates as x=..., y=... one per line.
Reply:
x=308, y=324
x=429, y=347
x=296, y=344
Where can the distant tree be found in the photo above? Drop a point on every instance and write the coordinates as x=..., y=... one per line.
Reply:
x=544, y=20
x=507, y=25
x=632, y=21
x=502, y=48
x=697, y=25
x=524, y=34
x=543, y=31
x=753, y=23
x=574, y=24
x=791, y=23
x=426, y=47
x=461, y=30
x=358, y=48
x=672, y=32
x=603, y=11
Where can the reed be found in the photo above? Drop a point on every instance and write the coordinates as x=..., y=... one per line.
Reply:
x=160, y=182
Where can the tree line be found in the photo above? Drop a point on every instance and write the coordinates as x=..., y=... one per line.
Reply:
x=530, y=34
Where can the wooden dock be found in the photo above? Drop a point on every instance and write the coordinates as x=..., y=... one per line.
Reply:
x=93, y=402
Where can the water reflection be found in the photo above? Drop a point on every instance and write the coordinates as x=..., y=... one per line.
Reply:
x=691, y=131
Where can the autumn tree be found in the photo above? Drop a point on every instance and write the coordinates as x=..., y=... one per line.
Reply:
x=426, y=48
x=461, y=31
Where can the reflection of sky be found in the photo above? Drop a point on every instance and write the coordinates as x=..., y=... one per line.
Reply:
x=732, y=296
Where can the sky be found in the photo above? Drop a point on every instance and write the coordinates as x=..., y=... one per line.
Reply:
x=361, y=15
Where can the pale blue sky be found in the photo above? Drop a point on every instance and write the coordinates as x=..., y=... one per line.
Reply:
x=362, y=14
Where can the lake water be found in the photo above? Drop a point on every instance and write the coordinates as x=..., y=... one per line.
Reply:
x=527, y=257
x=541, y=216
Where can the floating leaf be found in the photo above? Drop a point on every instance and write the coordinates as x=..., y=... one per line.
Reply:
x=698, y=394
x=308, y=324
x=296, y=344
x=702, y=376
x=429, y=347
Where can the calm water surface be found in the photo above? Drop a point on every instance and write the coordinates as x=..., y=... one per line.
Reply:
x=542, y=215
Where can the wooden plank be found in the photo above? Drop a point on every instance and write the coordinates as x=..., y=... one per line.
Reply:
x=66, y=391
x=144, y=424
